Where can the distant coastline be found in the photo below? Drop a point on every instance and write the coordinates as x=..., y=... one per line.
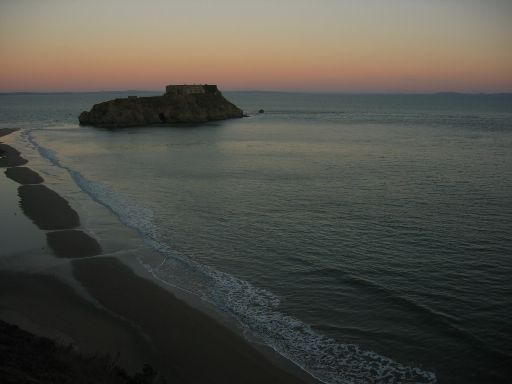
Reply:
x=350, y=93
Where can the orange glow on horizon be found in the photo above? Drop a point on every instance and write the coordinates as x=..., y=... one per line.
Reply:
x=326, y=48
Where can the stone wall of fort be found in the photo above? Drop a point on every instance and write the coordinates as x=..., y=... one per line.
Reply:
x=186, y=89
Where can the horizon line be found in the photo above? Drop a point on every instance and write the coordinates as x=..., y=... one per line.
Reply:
x=339, y=92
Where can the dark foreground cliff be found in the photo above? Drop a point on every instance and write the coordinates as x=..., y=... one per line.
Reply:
x=26, y=358
x=180, y=104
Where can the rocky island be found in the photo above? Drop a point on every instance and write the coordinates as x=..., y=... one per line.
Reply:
x=179, y=104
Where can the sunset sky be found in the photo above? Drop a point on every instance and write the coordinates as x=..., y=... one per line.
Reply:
x=306, y=45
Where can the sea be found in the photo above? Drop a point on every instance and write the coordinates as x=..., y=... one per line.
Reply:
x=365, y=237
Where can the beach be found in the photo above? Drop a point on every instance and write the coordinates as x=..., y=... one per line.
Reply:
x=116, y=311
x=347, y=235
x=250, y=192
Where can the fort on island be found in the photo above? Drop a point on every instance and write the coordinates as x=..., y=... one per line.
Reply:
x=185, y=103
x=186, y=89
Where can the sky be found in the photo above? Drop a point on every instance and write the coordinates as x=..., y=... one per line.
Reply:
x=288, y=45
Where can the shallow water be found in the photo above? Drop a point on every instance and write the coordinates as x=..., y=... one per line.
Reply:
x=368, y=238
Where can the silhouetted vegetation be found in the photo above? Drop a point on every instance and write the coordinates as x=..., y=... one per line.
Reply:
x=26, y=358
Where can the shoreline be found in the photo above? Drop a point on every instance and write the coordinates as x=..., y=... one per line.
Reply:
x=197, y=347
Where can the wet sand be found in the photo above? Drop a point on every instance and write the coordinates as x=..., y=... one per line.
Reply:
x=132, y=314
x=10, y=157
x=23, y=175
x=46, y=208
x=191, y=346
x=71, y=243
x=46, y=306
x=6, y=131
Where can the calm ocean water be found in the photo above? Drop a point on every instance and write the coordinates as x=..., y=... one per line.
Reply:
x=368, y=238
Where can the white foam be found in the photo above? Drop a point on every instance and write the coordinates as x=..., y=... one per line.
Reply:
x=255, y=309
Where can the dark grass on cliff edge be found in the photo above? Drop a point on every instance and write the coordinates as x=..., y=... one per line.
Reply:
x=47, y=209
x=46, y=304
x=72, y=243
x=23, y=175
x=26, y=358
x=191, y=346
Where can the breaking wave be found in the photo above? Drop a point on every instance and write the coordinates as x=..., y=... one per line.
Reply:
x=256, y=310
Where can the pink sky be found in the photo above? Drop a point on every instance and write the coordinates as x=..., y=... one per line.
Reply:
x=326, y=45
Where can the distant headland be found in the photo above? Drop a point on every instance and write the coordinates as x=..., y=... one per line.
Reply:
x=179, y=104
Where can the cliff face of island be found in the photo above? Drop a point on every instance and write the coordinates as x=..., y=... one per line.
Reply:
x=179, y=104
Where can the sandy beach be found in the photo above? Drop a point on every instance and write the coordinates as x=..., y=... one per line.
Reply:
x=118, y=312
